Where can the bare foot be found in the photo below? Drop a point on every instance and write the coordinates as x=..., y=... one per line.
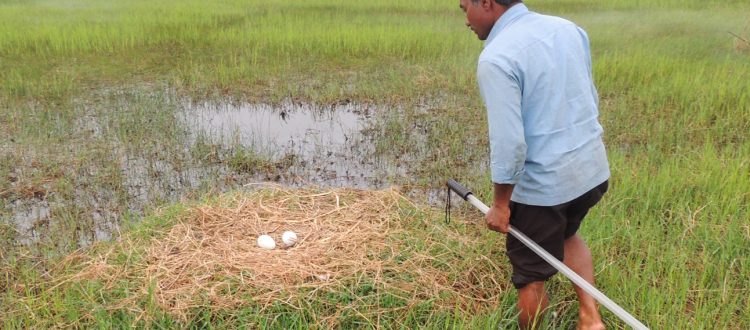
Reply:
x=587, y=321
x=592, y=326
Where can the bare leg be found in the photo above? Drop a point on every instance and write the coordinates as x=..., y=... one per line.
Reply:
x=532, y=301
x=578, y=258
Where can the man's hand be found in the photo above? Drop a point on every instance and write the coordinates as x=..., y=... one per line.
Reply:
x=498, y=218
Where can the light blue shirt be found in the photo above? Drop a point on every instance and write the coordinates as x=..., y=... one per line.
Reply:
x=545, y=138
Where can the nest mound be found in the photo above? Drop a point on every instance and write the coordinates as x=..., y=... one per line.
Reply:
x=210, y=257
x=337, y=232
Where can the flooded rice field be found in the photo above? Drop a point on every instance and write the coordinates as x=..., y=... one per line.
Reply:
x=327, y=146
x=130, y=155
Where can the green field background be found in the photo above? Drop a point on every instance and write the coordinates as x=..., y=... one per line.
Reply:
x=670, y=241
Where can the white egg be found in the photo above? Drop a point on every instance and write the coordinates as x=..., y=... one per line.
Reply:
x=289, y=238
x=266, y=242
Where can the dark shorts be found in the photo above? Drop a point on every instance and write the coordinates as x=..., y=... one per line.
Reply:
x=548, y=226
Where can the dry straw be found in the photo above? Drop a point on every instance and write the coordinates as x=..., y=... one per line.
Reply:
x=210, y=259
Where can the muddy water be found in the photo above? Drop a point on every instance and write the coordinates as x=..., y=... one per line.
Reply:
x=325, y=146
x=307, y=145
x=290, y=127
x=28, y=216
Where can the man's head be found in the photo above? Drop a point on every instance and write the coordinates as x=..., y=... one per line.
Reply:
x=481, y=15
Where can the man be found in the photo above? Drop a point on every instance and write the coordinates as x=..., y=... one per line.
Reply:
x=548, y=161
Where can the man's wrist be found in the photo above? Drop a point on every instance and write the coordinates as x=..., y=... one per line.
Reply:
x=501, y=204
x=502, y=194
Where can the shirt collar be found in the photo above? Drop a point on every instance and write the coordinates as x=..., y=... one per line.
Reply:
x=508, y=17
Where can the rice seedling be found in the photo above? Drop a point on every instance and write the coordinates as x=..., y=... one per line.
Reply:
x=93, y=97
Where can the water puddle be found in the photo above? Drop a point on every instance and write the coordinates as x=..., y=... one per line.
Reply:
x=300, y=145
x=28, y=217
x=316, y=145
x=299, y=128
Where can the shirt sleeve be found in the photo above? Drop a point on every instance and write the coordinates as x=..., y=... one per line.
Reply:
x=501, y=93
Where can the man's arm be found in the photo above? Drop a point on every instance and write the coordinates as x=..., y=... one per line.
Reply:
x=501, y=92
x=502, y=96
x=498, y=218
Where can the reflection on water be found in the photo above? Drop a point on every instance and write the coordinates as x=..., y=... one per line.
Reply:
x=327, y=143
x=301, y=128
x=29, y=216
x=308, y=145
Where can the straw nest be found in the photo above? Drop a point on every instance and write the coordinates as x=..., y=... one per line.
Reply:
x=210, y=257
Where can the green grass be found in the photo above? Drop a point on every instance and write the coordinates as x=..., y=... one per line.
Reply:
x=89, y=90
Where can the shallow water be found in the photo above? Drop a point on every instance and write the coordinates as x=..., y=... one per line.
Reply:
x=308, y=145
x=299, y=128
x=327, y=144
x=29, y=215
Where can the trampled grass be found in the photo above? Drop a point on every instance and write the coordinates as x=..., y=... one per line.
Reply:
x=89, y=90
